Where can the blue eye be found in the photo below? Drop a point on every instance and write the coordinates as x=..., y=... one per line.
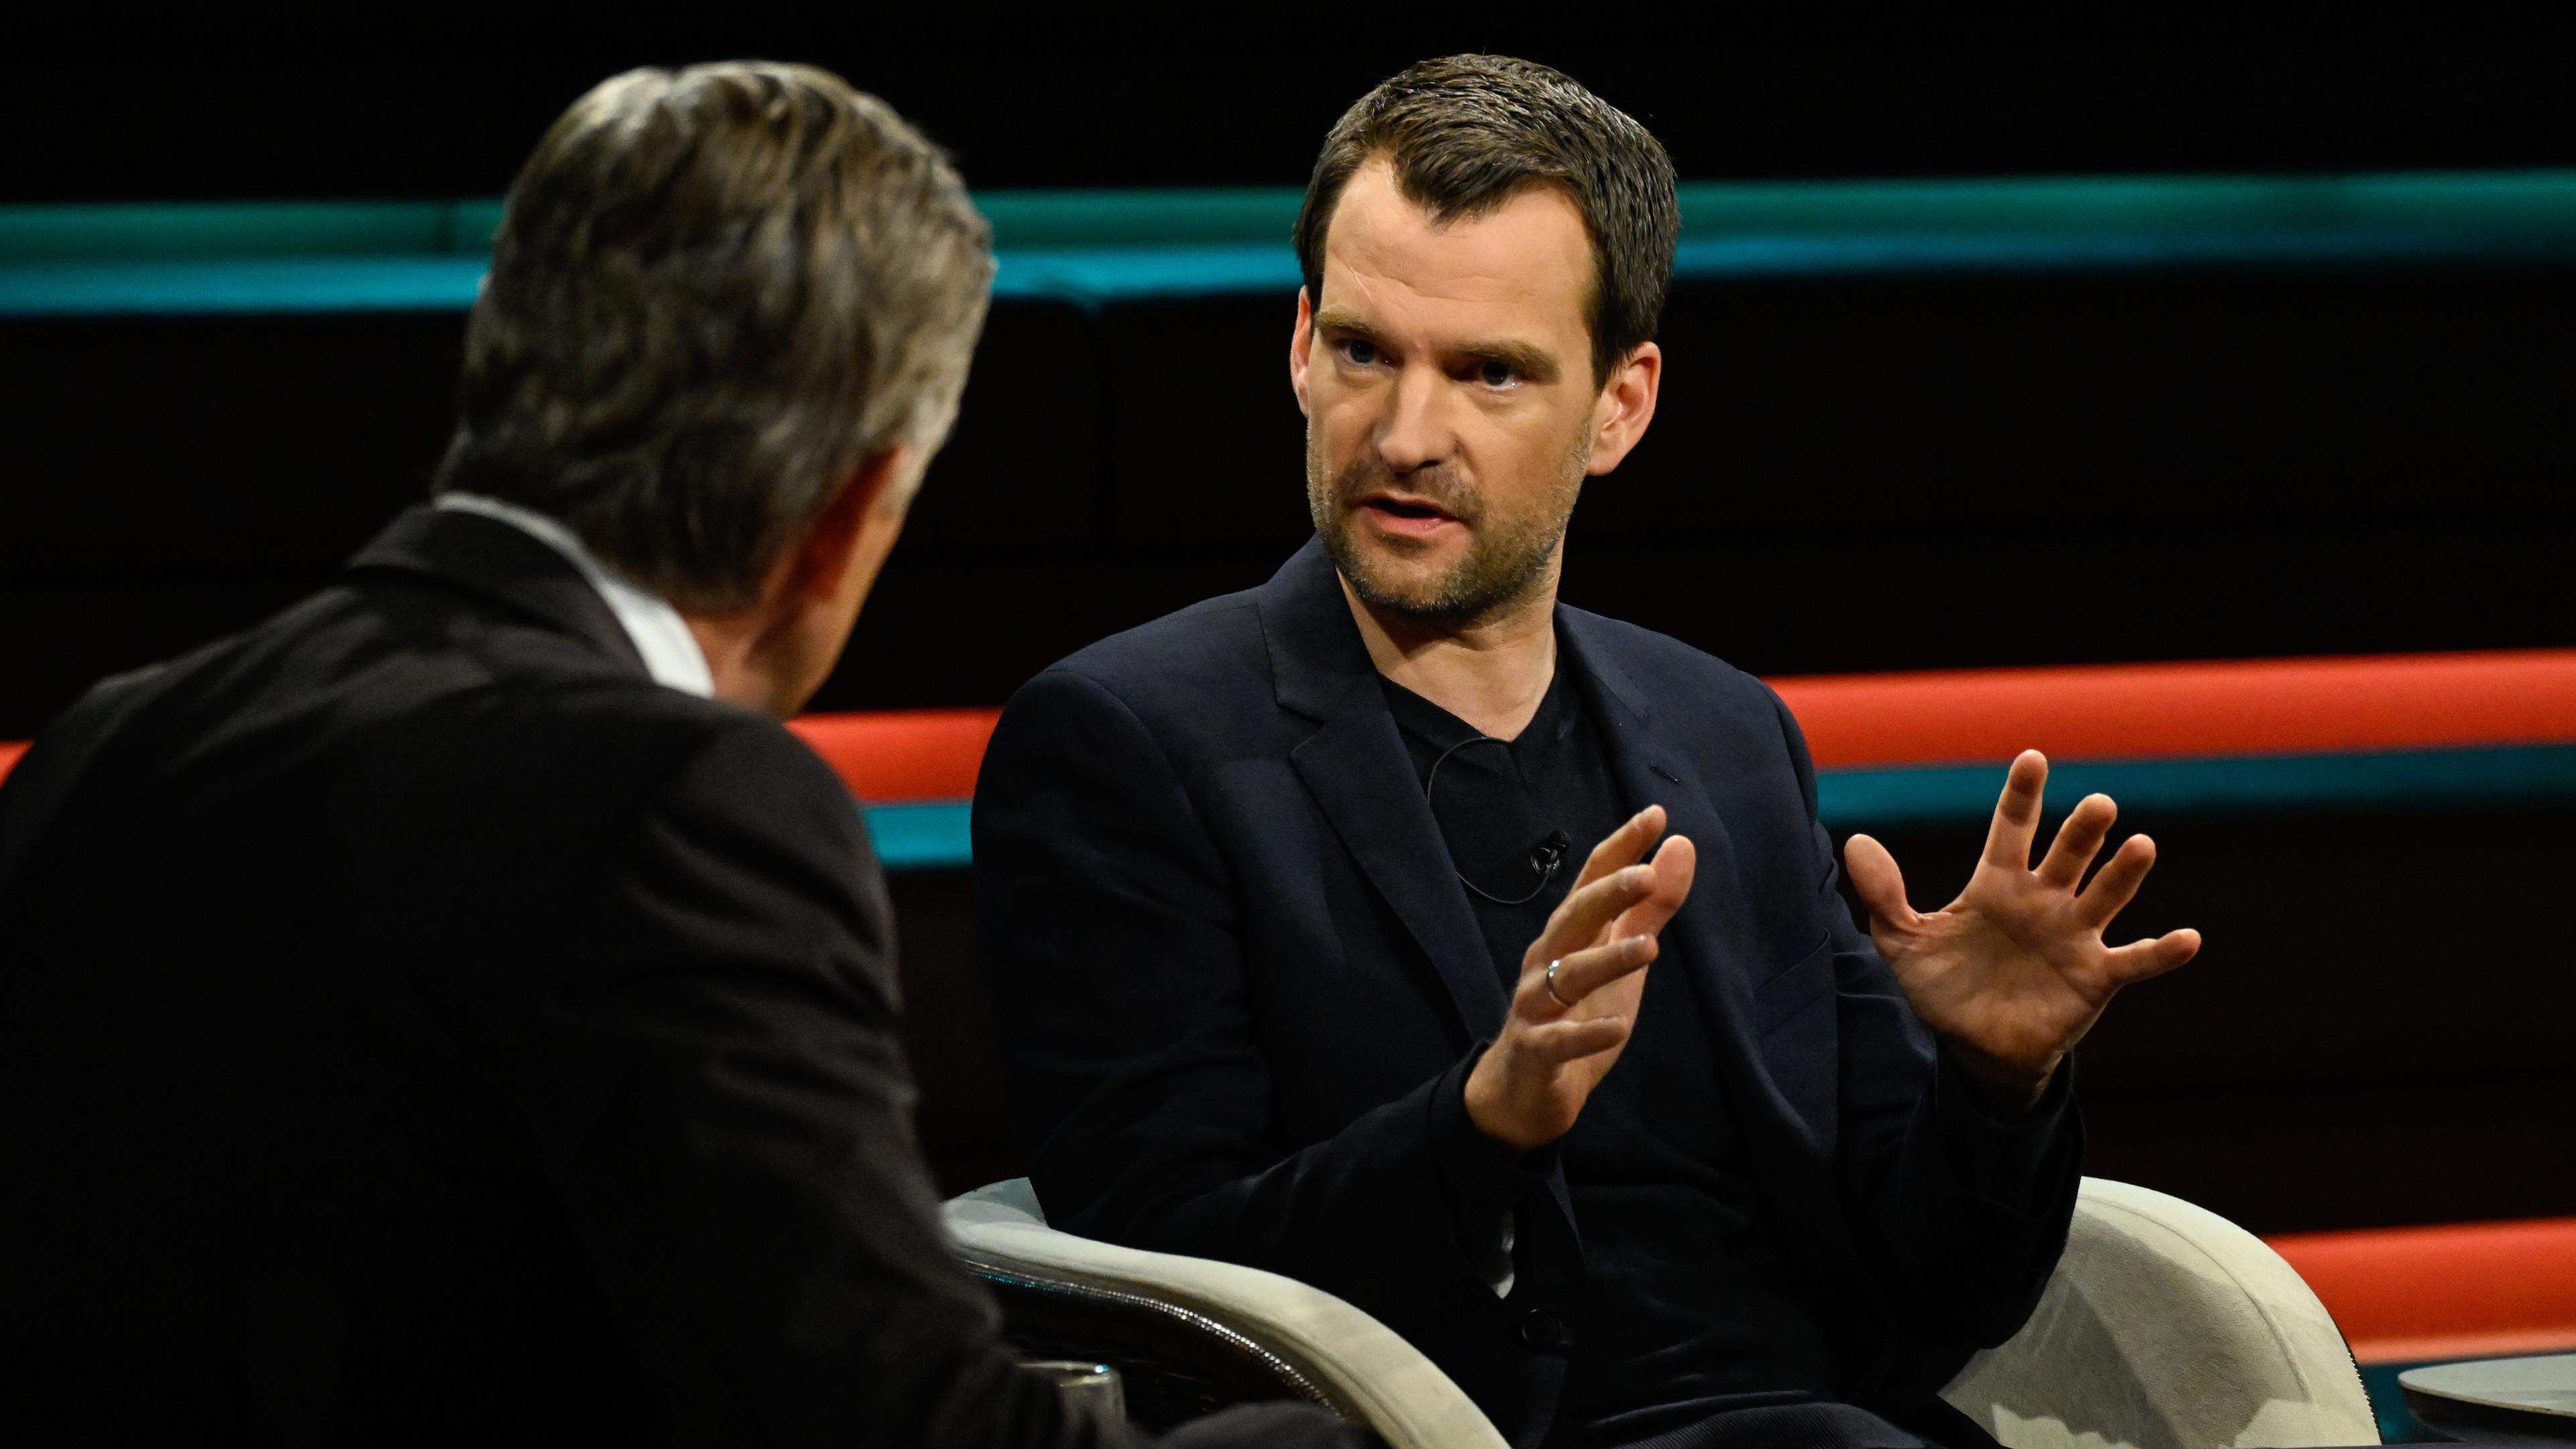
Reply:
x=1360, y=353
x=1496, y=374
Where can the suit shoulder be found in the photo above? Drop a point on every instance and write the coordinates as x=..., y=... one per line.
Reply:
x=1665, y=665
x=585, y=758
x=722, y=757
x=1179, y=662
x=755, y=765
x=1210, y=632
x=567, y=789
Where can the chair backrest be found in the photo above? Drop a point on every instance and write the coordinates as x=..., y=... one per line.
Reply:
x=1005, y=1202
x=2168, y=1327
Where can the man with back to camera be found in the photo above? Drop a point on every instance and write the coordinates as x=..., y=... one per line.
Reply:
x=456, y=1010
x=1302, y=953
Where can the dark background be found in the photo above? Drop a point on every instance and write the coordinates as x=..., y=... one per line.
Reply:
x=229, y=107
x=1887, y=473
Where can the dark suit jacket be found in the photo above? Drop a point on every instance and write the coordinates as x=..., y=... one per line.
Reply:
x=415, y=1024
x=1238, y=990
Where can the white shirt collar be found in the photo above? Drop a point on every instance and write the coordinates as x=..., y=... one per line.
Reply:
x=671, y=652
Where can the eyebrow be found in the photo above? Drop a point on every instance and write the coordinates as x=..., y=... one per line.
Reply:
x=1534, y=363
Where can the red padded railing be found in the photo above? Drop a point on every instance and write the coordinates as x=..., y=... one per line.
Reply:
x=2408, y=1295
x=916, y=754
x=2113, y=712
x=2157, y=711
x=2086, y=712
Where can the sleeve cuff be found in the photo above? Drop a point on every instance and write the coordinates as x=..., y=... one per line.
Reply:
x=2015, y=1159
x=1480, y=1179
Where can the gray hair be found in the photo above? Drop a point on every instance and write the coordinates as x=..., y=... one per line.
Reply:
x=713, y=293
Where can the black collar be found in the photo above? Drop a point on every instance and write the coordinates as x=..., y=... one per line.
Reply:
x=501, y=564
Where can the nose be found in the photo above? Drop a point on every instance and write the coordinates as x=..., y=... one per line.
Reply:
x=1417, y=433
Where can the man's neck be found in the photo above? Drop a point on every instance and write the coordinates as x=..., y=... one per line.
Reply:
x=733, y=661
x=1493, y=674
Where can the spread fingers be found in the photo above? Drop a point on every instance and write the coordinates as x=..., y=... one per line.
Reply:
x=2017, y=812
x=2116, y=884
x=2141, y=959
x=2078, y=841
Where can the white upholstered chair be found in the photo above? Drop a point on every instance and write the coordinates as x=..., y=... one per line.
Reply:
x=2166, y=1327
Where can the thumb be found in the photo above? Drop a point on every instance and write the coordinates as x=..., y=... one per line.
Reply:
x=1877, y=881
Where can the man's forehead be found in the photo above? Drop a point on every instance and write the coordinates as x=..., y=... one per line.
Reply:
x=1524, y=267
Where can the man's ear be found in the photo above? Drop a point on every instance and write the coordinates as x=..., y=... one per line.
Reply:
x=831, y=548
x=1300, y=348
x=1626, y=406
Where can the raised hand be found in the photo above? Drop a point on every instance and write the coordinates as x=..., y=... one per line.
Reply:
x=1563, y=1035
x=2015, y=971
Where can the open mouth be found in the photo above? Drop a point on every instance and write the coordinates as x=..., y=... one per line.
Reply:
x=1410, y=512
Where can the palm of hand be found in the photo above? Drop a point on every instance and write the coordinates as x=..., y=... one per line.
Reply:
x=2005, y=967
x=2015, y=971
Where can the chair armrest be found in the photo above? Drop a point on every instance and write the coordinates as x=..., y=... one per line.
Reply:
x=1237, y=1331
x=2167, y=1326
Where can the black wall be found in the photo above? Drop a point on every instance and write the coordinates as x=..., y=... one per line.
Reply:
x=446, y=104
x=1843, y=475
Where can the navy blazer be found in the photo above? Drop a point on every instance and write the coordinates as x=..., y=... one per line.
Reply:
x=1237, y=990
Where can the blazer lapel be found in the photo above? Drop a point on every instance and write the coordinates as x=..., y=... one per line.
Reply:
x=1715, y=944
x=1356, y=768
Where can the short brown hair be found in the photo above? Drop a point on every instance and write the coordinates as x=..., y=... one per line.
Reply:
x=713, y=291
x=1468, y=132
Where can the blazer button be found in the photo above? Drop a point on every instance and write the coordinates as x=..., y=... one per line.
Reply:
x=1542, y=1329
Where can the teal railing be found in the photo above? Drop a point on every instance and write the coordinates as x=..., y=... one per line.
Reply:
x=928, y=835
x=1094, y=246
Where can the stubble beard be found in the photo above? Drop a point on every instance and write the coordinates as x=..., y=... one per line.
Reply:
x=1506, y=562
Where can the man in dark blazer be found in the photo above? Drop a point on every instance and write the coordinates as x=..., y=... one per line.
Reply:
x=456, y=1010
x=1296, y=959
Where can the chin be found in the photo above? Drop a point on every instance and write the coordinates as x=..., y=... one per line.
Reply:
x=1390, y=575
x=1408, y=588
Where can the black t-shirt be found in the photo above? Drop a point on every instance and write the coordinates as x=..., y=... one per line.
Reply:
x=1683, y=1314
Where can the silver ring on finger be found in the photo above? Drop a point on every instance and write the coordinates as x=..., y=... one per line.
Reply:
x=1551, y=984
